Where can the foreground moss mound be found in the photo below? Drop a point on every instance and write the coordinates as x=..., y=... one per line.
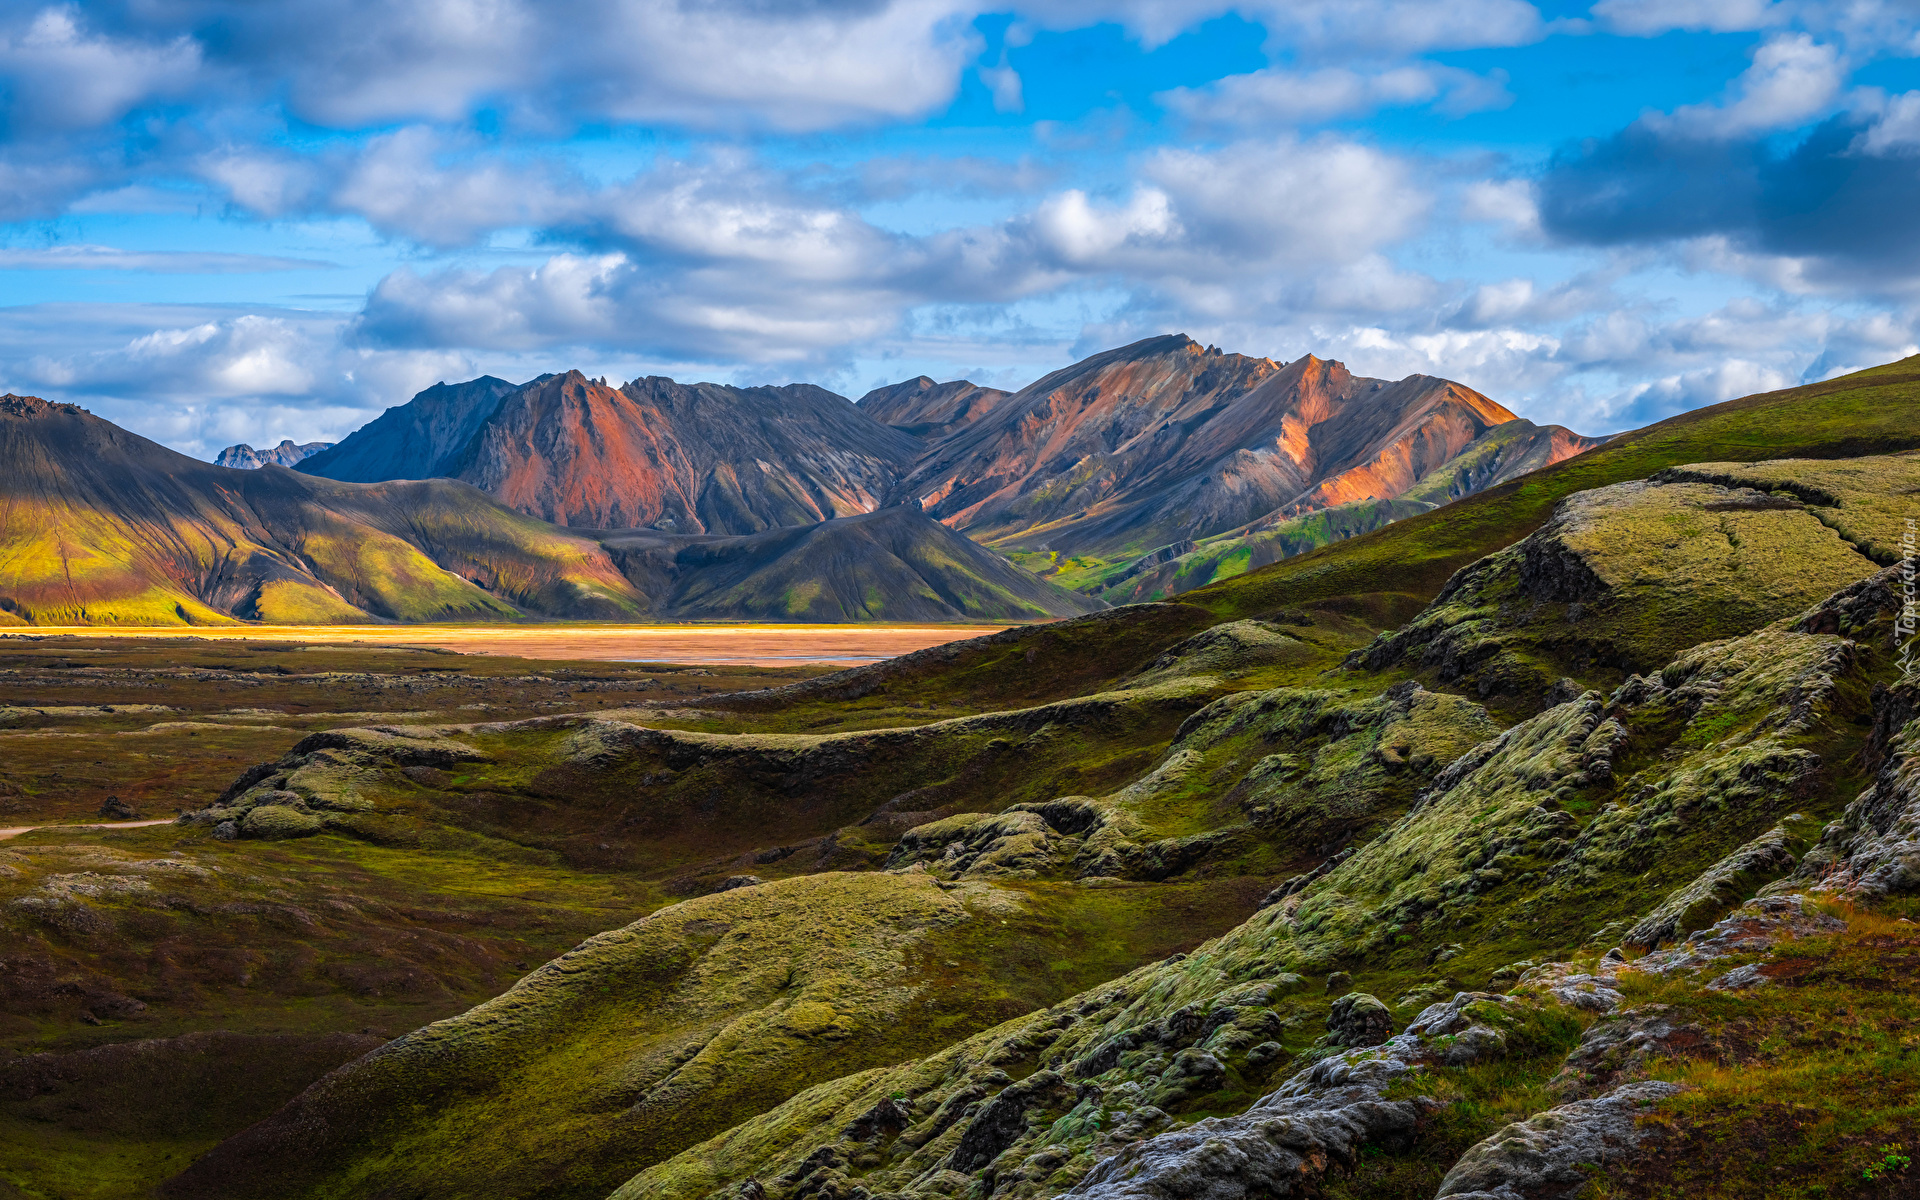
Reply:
x=640, y=1042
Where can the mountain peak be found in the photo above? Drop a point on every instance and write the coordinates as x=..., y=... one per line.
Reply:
x=245, y=458
x=33, y=406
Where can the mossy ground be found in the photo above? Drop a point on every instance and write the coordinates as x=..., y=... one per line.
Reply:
x=300, y=941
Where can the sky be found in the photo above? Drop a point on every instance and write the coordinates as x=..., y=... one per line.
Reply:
x=243, y=220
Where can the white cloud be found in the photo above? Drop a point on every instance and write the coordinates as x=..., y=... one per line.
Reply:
x=728, y=258
x=83, y=257
x=1509, y=202
x=400, y=185
x=1793, y=79
x=1004, y=82
x=1896, y=128
x=63, y=77
x=1375, y=28
x=1648, y=18
x=1282, y=95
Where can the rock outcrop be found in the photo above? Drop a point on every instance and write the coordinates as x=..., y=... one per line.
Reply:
x=1621, y=579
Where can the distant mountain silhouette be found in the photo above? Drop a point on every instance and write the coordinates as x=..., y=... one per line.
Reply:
x=245, y=458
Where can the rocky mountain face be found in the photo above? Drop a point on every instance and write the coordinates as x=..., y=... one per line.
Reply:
x=685, y=458
x=704, y=457
x=1503, y=453
x=245, y=458
x=421, y=439
x=930, y=411
x=100, y=526
x=1166, y=442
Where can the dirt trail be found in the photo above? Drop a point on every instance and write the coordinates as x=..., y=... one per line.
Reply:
x=17, y=830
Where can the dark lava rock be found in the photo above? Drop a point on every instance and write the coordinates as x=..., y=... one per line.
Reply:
x=1358, y=1019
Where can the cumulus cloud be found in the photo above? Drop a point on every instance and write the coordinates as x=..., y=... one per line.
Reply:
x=1896, y=127
x=727, y=257
x=62, y=76
x=1793, y=79
x=354, y=64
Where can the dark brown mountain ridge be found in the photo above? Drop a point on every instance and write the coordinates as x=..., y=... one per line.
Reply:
x=930, y=411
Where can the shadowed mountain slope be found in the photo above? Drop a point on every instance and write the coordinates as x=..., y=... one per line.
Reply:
x=930, y=411
x=286, y=454
x=891, y=565
x=1166, y=441
x=101, y=526
x=421, y=439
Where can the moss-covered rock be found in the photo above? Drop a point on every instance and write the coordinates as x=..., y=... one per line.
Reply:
x=1621, y=579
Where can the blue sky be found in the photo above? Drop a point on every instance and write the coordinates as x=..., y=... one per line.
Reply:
x=241, y=220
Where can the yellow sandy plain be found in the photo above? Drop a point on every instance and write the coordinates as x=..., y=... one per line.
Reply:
x=753, y=645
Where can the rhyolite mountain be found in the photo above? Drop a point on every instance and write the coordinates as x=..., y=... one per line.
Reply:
x=1165, y=442
x=930, y=411
x=1099, y=476
x=245, y=458
x=1567, y=833
x=690, y=458
x=101, y=526
x=1504, y=452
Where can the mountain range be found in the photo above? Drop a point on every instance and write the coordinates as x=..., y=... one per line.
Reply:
x=1137, y=473
x=690, y=458
x=245, y=458
x=101, y=526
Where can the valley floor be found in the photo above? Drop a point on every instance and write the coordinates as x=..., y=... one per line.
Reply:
x=736, y=645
